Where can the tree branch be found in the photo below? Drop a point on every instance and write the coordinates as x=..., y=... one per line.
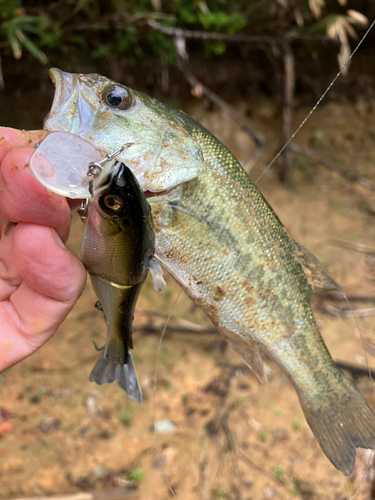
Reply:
x=289, y=84
x=200, y=90
x=332, y=166
x=205, y=35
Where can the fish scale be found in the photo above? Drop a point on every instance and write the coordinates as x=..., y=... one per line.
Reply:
x=223, y=243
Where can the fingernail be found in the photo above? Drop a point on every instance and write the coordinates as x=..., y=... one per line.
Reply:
x=57, y=238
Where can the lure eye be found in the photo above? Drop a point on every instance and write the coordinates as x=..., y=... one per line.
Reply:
x=117, y=97
x=115, y=203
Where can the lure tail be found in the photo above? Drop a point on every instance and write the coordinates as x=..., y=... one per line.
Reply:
x=341, y=425
x=105, y=372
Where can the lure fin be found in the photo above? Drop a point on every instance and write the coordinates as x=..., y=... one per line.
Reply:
x=157, y=274
x=317, y=275
x=341, y=425
x=105, y=372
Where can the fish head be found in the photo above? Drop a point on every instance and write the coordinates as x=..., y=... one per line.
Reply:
x=159, y=148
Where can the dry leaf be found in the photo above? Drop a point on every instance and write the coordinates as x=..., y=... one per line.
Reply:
x=357, y=18
x=316, y=7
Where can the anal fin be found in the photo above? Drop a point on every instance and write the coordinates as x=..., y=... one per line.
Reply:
x=248, y=349
x=317, y=275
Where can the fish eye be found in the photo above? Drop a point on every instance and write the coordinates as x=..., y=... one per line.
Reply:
x=113, y=202
x=117, y=97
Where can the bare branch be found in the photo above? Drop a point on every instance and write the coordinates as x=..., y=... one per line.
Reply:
x=200, y=90
x=109, y=494
x=356, y=247
x=2, y=85
x=189, y=325
x=245, y=458
x=332, y=166
x=204, y=35
x=349, y=313
x=350, y=296
x=289, y=84
x=355, y=370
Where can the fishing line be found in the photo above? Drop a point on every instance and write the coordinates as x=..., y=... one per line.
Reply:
x=154, y=391
x=317, y=104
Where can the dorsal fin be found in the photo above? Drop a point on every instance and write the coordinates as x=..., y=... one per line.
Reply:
x=317, y=275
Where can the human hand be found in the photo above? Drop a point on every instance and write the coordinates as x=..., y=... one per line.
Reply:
x=40, y=279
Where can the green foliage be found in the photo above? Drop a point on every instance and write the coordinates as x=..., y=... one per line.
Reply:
x=219, y=492
x=297, y=424
x=263, y=435
x=106, y=29
x=279, y=473
x=37, y=396
x=126, y=418
x=137, y=476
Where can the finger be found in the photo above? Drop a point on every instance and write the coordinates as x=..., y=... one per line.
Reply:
x=24, y=199
x=9, y=276
x=11, y=138
x=53, y=278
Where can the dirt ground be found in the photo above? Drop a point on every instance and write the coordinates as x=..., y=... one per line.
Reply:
x=233, y=437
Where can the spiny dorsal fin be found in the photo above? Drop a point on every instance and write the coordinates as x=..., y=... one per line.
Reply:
x=317, y=275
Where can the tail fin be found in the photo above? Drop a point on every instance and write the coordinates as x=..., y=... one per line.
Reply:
x=343, y=424
x=105, y=372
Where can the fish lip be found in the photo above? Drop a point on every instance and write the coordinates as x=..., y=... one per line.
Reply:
x=56, y=77
x=65, y=84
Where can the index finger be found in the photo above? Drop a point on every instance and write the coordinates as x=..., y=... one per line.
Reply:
x=24, y=199
x=12, y=138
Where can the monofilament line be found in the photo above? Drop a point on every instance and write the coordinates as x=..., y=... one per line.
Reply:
x=154, y=395
x=317, y=104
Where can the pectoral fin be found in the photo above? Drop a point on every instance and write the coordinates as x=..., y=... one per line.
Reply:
x=317, y=275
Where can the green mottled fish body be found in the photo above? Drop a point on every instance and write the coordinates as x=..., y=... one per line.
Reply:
x=223, y=243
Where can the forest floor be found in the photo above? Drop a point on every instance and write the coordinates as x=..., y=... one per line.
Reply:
x=233, y=437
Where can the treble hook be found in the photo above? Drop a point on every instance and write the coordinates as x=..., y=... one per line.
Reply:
x=96, y=167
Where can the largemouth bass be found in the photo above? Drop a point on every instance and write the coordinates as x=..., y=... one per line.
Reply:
x=222, y=242
x=117, y=250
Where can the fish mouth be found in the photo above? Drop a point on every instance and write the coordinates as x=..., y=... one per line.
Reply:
x=70, y=111
x=64, y=87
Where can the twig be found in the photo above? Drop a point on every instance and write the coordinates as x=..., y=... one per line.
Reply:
x=152, y=328
x=356, y=247
x=289, y=84
x=180, y=321
x=64, y=369
x=203, y=473
x=2, y=85
x=350, y=296
x=357, y=371
x=204, y=35
x=109, y=494
x=245, y=458
x=348, y=313
x=200, y=90
x=332, y=166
